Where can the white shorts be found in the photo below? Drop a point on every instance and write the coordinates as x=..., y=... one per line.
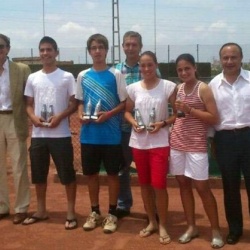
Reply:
x=193, y=165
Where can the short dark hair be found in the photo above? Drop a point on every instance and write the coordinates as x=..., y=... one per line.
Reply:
x=99, y=38
x=48, y=39
x=231, y=44
x=6, y=39
x=151, y=54
x=133, y=34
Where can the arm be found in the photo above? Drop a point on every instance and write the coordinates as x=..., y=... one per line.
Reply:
x=122, y=93
x=210, y=115
x=37, y=121
x=171, y=119
x=55, y=120
x=129, y=116
x=129, y=107
x=80, y=112
x=103, y=116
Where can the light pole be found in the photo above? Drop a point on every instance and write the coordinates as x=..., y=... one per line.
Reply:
x=43, y=19
x=155, y=26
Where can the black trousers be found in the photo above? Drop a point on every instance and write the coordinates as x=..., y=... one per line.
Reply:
x=232, y=149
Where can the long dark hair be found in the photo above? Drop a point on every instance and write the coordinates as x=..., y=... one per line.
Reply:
x=188, y=58
x=151, y=54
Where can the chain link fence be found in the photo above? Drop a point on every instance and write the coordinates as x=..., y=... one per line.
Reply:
x=168, y=53
x=75, y=127
x=165, y=54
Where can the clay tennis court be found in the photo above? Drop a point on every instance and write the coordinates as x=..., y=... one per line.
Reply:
x=50, y=234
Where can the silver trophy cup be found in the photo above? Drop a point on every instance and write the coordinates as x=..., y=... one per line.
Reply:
x=44, y=115
x=47, y=113
x=44, y=112
x=97, y=110
x=87, y=112
x=152, y=117
x=138, y=119
x=50, y=112
x=180, y=114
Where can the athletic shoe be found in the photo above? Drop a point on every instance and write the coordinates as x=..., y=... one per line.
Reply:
x=109, y=224
x=92, y=221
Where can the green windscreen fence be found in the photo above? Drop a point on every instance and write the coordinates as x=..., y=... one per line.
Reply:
x=213, y=166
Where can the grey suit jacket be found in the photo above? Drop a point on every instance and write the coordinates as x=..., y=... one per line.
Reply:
x=19, y=73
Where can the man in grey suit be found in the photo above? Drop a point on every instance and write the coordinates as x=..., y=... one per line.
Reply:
x=13, y=133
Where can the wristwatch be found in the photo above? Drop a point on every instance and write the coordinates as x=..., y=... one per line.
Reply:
x=164, y=123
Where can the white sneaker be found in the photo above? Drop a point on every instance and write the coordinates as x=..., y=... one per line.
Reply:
x=92, y=221
x=109, y=224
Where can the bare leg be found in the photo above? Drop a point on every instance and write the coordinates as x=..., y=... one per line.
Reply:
x=71, y=198
x=41, y=200
x=188, y=202
x=71, y=222
x=41, y=213
x=210, y=207
x=209, y=202
x=93, y=186
x=114, y=187
x=148, y=198
x=161, y=196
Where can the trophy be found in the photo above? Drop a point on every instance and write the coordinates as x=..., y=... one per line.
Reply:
x=50, y=112
x=180, y=114
x=97, y=110
x=138, y=119
x=46, y=114
x=87, y=112
x=152, y=116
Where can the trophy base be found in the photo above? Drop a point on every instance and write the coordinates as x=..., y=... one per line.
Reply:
x=141, y=126
x=46, y=124
x=86, y=117
x=94, y=117
x=180, y=114
x=150, y=128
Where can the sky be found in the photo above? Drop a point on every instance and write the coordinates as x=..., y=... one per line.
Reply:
x=175, y=25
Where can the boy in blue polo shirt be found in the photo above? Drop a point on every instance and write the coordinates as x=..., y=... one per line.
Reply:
x=100, y=137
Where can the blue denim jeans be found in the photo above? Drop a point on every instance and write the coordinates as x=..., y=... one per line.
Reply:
x=125, y=199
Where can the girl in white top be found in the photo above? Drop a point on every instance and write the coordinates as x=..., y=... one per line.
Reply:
x=149, y=142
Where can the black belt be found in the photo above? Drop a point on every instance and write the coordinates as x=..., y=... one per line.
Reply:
x=236, y=130
x=5, y=112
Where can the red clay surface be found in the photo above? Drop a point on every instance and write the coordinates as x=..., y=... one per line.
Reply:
x=51, y=234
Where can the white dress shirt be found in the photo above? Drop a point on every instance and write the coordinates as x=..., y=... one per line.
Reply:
x=5, y=99
x=233, y=101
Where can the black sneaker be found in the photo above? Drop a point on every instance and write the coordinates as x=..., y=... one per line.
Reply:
x=122, y=213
